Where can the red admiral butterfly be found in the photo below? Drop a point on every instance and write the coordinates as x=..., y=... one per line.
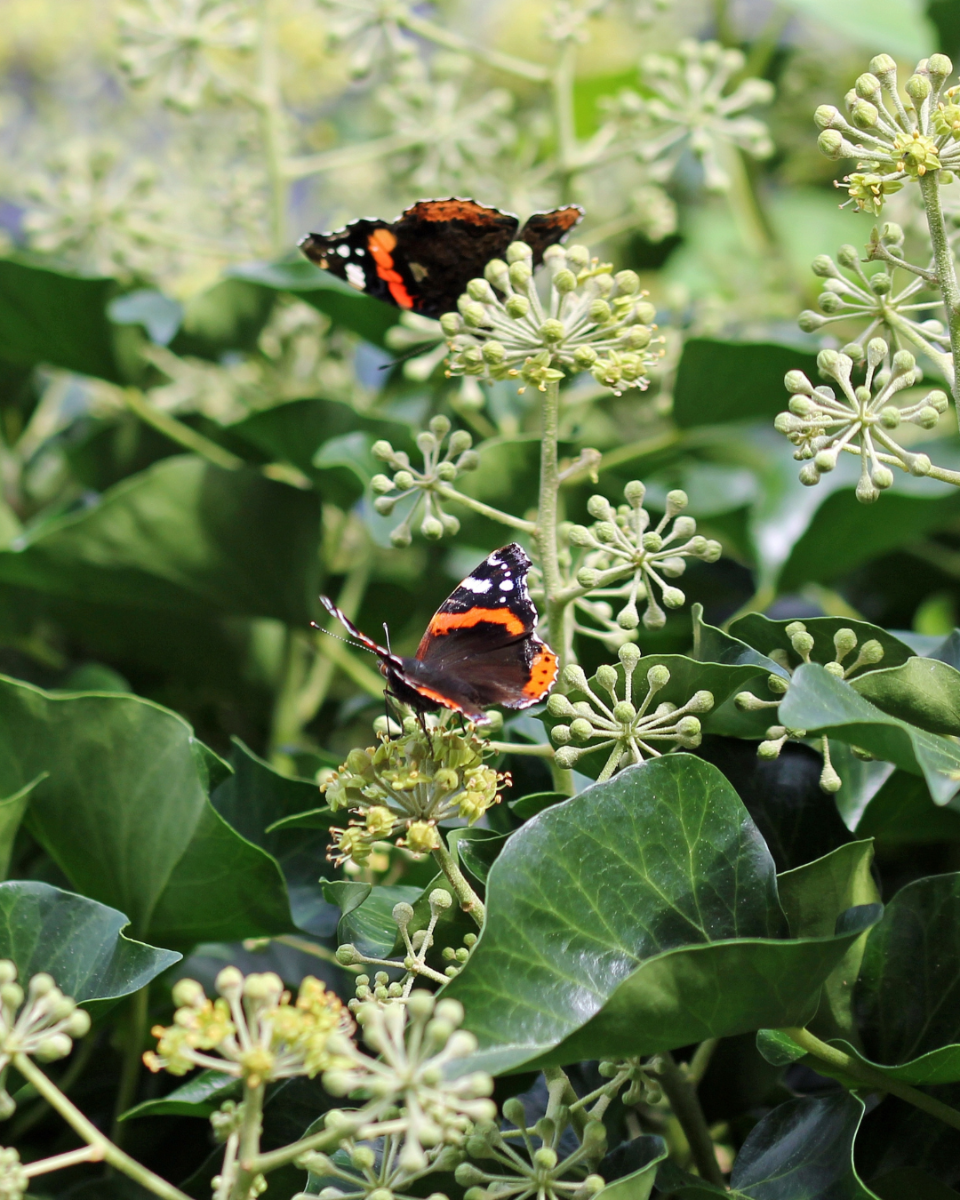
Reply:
x=480, y=648
x=426, y=257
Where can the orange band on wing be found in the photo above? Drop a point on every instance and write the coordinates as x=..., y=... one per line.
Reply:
x=380, y=244
x=543, y=672
x=430, y=694
x=444, y=622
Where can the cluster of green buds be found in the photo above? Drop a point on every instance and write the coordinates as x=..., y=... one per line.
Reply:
x=893, y=140
x=445, y=456
x=417, y=945
x=637, y=1075
x=407, y=785
x=626, y=726
x=43, y=1023
x=542, y=1172
x=14, y=1179
x=821, y=424
x=621, y=543
x=254, y=1029
x=850, y=292
x=692, y=108
x=870, y=654
x=592, y=321
x=411, y=1090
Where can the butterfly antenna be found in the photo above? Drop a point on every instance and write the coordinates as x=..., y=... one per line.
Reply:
x=420, y=348
x=346, y=641
x=386, y=634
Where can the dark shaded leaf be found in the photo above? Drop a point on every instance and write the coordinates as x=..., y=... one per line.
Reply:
x=734, y=381
x=902, y=813
x=923, y=691
x=200, y=1096
x=632, y=1168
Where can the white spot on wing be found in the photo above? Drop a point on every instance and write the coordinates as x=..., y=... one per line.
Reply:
x=506, y=585
x=344, y=251
x=355, y=276
x=479, y=586
x=493, y=561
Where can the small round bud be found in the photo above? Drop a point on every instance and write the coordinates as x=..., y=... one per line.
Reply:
x=797, y=383
x=658, y=677
x=830, y=143
x=426, y=442
x=493, y=352
x=57, y=1045
x=826, y=116
x=825, y=460
x=451, y=324
x=867, y=492
x=520, y=274
x=809, y=475
x=564, y=281
x=810, y=321
x=401, y=536
x=545, y=1158
x=229, y=982
x=588, y=577
x=559, y=706
x=574, y=676
x=628, y=617
x=769, y=749
x=552, y=331
x=863, y=114
x=580, y=729
x=585, y=357
x=871, y=652
x=629, y=655
x=403, y=481
x=624, y=712
x=883, y=65
x=830, y=781
x=469, y=460
x=516, y=307
x=867, y=86
x=890, y=416
x=431, y=528
x=673, y=597
x=385, y=505
x=904, y=361
x=918, y=88
x=880, y=283
x=882, y=477
x=834, y=668
x=446, y=472
x=481, y=291
x=607, y=676
x=845, y=642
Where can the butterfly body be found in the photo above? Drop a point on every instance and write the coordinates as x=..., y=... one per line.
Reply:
x=424, y=259
x=480, y=648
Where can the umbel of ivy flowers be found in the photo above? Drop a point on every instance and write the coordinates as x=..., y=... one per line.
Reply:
x=892, y=140
x=592, y=320
x=407, y=785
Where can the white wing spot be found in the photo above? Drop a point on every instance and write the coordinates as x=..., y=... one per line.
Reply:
x=344, y=250
x=493, y=561
x=479, y=586
x=355, y=276
x=506, y=585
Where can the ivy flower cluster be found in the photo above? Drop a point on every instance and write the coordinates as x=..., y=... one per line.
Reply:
x=254, y=1030
x=417, y=945
x=845, y=641
x=894, y=141
x=892, y=313
x=14, y=1179
x=620, y=543
x=591, y=321
x=407, y=785
x=410, y=1092
x=180, y=45
x=861, y=420
x=42, y=1023
x=445, y=456
x=542, y=1172
x=625, y=726
x=691, y=109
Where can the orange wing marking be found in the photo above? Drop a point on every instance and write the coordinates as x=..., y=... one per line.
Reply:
x=430, y=694
x=543, y=672
x=445, y=622
x=381, y=244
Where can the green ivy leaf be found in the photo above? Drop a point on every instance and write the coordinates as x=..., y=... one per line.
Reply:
x=734, y=381
x=813, y=896
x=902, y=813
x=124, y=813
x=200, y=1096
x=819, y=703
x=766, y=635
x=644, y=1154
x=184, y=536
x=76, y=940
x=49, y=317
x=370, y=925
x=638, y=916
x=922, y=691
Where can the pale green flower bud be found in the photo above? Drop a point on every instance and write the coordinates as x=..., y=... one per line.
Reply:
x=545, y=1158
x=560, y=734
x=229, y=983
x=673, y=597
x=654, y=618
x=826, y=460
x=628, y=282
x=890, y=416
x=871, y=652
x=809, y=475
x=552, y=331
x=689, y=729
x=578, y=257
x=677, y=501
x=883, y=65
x=588, y=577
x=628, y=617
x=480, y=290
x=918, y=88
x=574, y=676
x=451, y=324
x=564, y=281
x=403, y=480
x=701, y=701
x=769, y=750
x=938, y=401
x=382, y=450
x=939, y=68
x=494, y=271
x=866, y=492
x=903, y=361
x=867, y=86
x=624, y=712
x=863, y=114
x=824, y=266
x=645, y=312
x=635, y=492
x=600, y=312
x=599, y=508
x=830, y=781
x=187, y=993
x=919, y=464
x=810, y=321
x=882, y=477
x=797, y=383
x=607, y=676
x=579, y=535
x=713, y=551
x=446, y=472
x=380, y=484
x=834, y=668
x=431, y=528
x=748, y=702
x=78, y=1025
x=57, y=1045
x=831, y=144
x=519, y=252
x=658, y=677
x=474, y=314
x=585, y=357
x=828, y=117
x=637, y=338
x=880, y=283
x=517, y=307
x=468, y=461
x=493, y=352
x=652, y=541
x=401, y=536
x=845, y=642
x=426, y=442
x=520, y=275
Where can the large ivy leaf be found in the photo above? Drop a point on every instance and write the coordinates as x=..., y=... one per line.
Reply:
x=811, y=897
x=908, y=995
x=902, y=813
x=638, y=916
x=820, y=703
x=48, y=317
x=766, y=635
x=255, y=800
x=184, y=536
x=200, y=1096
x=711, y=644
x=845, y=533
x=734, y=381
x=76, y=940
x=923, y=691
x=124, y=813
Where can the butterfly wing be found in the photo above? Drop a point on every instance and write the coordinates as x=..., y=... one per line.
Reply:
x=545, y=229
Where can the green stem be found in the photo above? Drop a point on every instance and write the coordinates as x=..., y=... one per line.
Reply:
x=92, y=1135
x=38, y=1110
x=744, y=207
x=314, y=948
x=943, y=360
x=531, y=749
x=138, y=1011
x=348, y=156
x=269, y=105
x=561, y=84
x=470, y=902
x=446, y=492
x=686, y=1108
x=697, y=1066
x=249, y=1148
x=177, y=432
x=58, y=1162
x=453, y=41
x=946, y=271
x=852, y=1067
x=326, y=1139
x=559, y=1085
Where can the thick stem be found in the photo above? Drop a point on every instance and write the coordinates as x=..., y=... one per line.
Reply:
x=270, y=109
x=686, y=1108
x=532, y=749
x=326, y=1139
x=559, y=1086
x=470, y=902
x=138, y=1009
x=852, y=1067
x=177, y=432
x=249, y=1148
x=92, y=1135
x=446, y=492
x=946, y=270
x=59, y=1161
